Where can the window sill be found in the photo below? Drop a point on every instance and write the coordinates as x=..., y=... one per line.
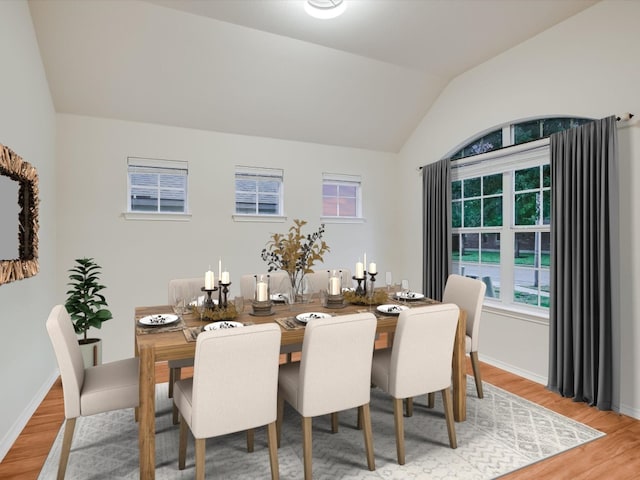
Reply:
x=170, y=217
x=343, y=219
x=259, y=218
x=512, y=311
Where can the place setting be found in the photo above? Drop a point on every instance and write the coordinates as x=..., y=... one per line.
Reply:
x=159, y=323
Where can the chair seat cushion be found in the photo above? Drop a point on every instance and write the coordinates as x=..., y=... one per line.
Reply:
x=380, y=368
x=110, y=386
x=183, y=398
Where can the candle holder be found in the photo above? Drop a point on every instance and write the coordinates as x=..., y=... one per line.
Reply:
x=222, y=295
x=335, y=297
x=361, y=290
x=208, y=303
x=372, y=281
x=262, y=303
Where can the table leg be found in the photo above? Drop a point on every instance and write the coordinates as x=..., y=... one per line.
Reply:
x=459, y=371
x=147, y=409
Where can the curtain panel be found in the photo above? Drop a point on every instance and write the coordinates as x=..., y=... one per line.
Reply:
x=584, y=208
x=436, y=227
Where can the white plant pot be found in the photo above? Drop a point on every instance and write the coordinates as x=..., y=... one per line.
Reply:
x=91, y=352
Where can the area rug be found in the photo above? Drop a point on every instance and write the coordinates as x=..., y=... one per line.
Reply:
x=502, y=433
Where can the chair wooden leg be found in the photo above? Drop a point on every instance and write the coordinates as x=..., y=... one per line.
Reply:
x=409, y=409
x=273, y=450
x=307, y=446
x=368, y=435
x=172, y=380
x=69, y=427
x=359, y=420
x=475, y=364
x=431, y=400
x=399, y=428
x=182, y=445
x=334, y=422
x=200, y=454
x=250, y=437
x=448, y=415
x=279, y=416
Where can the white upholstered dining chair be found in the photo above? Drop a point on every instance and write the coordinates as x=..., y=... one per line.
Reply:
x=91, y=390
x=468, y=294
x=233, y=388
x=334, y=374
x=419, y=362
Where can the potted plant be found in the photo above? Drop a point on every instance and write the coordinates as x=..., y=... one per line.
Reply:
x=295, y=253
x=87, y=307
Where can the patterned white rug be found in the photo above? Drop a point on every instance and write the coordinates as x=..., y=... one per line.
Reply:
x=503, y=433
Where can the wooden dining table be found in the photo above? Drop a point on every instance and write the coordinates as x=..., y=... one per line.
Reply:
x=154, y=345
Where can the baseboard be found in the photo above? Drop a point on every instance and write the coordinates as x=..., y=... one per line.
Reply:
x=27, y=413
x=629, y=411
x=534, y=377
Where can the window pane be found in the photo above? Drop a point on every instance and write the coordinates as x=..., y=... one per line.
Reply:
x=526, y=288
x=492, y=213
x=525, y=249
x=144, y=179
x=546, y=207
x=329, y=206
x=545, y=249
x=456, y=190
x=526, y=131
x=470, y=248
x=329, y=190
x=527, y=179
x=455, y=247
x=554, y=125
x=472, y=187
x=472, y=213
x=546, y=175
x=490, y=248
x=456, y=214
x=492, y=184
x=526, y=209
x=347, y=207
x=347, y=191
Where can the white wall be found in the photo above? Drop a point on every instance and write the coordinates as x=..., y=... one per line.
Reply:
x=139, y=257
x=27, y=126
x=586, y=66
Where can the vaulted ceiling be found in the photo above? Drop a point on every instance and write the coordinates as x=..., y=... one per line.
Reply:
x=265, y=68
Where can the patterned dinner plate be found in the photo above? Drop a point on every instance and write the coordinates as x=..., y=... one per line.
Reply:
x=223, y=325
x=158, y=320
x=409, y=296
x=305, y=317
x=391, y=309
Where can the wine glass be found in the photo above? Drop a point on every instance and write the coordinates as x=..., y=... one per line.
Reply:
x=388, y=281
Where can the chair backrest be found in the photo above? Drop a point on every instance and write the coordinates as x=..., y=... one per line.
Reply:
x=69, y=357
x=335, y=369
x=235, y=379
x=468, y=294
x=319, y=280
x=186, y=289
x=279, y=280
x=423, y=350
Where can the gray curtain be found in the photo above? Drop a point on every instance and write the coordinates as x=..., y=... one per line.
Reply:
x=584, y=207
x=436, y=227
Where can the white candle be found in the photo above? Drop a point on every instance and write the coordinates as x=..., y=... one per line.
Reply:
x=364, y=263
x=373, y=268
x=209, y=280
x=359, y=270
x=224, y=278
x=334, y=286
x=261, y=292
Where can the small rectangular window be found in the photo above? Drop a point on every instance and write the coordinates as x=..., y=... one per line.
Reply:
x=259, y=191
x=157, y=186
x=341, y=195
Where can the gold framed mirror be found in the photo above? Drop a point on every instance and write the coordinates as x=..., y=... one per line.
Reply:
x=20, y=260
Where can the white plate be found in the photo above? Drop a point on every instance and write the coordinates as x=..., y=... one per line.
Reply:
x=392, y=309
x=158, y=320
x=223, y=325
x=279, y=298
x=305, y=317
x=409, y=295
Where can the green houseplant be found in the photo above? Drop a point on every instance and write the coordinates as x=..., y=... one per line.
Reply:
x=87, y=307
x=295, y=253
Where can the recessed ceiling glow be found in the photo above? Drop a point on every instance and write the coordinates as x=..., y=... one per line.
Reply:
x=325, y=9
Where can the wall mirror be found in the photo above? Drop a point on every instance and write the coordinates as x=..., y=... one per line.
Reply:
x=18, y=217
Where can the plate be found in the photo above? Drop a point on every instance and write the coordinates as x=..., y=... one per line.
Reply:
x=279, y=298
x=391, y=309
x=158, y=320
x=223, y=325
x=305, y=317
x=409, y=295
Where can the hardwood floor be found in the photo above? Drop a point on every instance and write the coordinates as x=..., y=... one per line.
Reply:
x=615, y=456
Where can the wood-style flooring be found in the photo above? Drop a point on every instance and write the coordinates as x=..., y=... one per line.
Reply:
x=615, y=456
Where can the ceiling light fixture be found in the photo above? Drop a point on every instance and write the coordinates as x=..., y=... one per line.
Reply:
x=325, y=9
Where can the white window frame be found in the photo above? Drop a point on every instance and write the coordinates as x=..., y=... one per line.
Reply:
x=505, y=161
x=266, y=174
x=339, y=179
x=158, y=167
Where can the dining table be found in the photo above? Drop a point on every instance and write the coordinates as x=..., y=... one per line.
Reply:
x=158, y=343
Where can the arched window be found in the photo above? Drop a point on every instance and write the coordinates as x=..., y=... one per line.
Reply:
x=501, y=211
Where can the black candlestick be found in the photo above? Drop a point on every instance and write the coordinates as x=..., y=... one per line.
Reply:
x=225, y=291
x=208, y=302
